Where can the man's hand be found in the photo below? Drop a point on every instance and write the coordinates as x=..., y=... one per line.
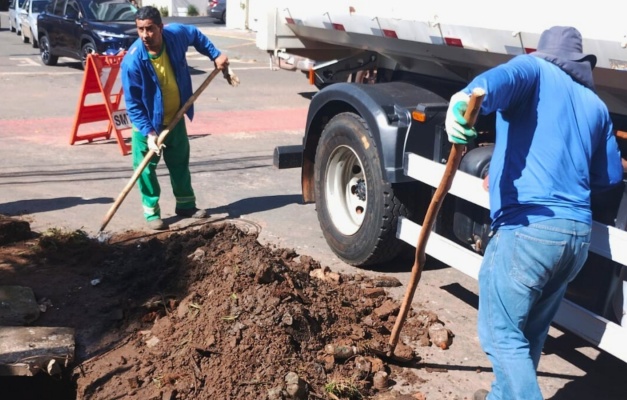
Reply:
x=457, y=128
x=222, y=62
x=152, y=143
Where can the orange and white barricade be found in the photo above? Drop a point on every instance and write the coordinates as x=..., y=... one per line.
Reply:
x=100, y=112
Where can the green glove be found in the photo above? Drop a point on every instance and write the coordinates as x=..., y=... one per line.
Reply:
x=456, y=126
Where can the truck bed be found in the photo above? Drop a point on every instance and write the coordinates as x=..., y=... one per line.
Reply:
x=446, y=39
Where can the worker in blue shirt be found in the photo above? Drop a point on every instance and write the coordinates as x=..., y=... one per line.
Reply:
x=156, y=83
x=554, y=145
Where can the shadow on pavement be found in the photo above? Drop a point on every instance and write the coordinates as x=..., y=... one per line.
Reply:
x=253, y=205
x=34, y=206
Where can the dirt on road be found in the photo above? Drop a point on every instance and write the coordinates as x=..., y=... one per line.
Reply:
x=210, y=313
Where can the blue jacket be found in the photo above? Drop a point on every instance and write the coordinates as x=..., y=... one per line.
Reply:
x=554, y=143
x=142, y=92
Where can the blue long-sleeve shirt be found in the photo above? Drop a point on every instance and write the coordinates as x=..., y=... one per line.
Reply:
x=142, y=92
x=554, y=143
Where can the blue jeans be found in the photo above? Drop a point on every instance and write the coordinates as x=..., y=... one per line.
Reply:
x=522, y=281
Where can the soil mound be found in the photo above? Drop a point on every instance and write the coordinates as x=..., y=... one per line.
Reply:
x=210, y=313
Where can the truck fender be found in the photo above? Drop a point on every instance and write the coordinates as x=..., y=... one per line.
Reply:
x=386, y=109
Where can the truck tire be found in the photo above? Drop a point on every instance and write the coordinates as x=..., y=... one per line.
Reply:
x=44, y=52
x=358, y=211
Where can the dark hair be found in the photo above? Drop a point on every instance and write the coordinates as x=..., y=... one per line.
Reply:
x=149, y=12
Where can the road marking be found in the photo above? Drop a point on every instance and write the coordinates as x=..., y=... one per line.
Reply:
x=19, y=73
x=25, y=62
x=230, y=37
x=239, y=45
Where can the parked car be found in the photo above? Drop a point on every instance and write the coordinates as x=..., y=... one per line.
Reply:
x=217, y=9
x=75, y=28
x=28, y=20
x=14, y=15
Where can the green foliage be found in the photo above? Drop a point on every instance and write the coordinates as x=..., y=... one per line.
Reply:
x=192, y=11
x=344, y=389
x=164, y=11
x=57, y=239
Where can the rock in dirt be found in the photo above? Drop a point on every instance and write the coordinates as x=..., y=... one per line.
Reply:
x=295, y=387
x=389, y=307
x=381, y=380
x=383, y=281
x=440, y=336
x=13, y=230
x=18, y=306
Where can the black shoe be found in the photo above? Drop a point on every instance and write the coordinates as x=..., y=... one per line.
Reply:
x=157, y=225
x=480, y=394
x=191, y=213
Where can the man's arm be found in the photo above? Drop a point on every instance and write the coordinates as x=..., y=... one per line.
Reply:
x=606, y=169
x=506, y=83
x=204, y=46
x=131, y=83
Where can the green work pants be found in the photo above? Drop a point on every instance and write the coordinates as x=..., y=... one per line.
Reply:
x=176, y=157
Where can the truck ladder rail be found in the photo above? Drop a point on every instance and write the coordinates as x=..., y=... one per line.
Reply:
x=606, y=241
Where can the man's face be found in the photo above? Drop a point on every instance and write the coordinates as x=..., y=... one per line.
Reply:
x=150, y=34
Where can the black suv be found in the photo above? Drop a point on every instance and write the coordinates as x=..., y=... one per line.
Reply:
x=75, y=28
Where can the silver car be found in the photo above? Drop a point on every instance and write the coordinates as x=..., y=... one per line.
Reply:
x=14, y=15
x=28, y=20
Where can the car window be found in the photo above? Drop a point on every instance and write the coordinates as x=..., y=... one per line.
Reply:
x=38, y=6
x=71, y=9
x=109, y=10
x=50, y=7
x=59, y=7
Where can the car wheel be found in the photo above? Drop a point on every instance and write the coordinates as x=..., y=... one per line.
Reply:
x=223, y=17
x=34, y=41
x=24, y=37
x=88, y=48
x=358, y=211
x=11, y=27
x=44, y=52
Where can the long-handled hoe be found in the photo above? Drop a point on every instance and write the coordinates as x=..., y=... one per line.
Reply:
x=231, y=78
x=434, y=207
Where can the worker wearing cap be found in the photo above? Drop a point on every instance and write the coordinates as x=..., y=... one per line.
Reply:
x=554, y=146
x=156, y=83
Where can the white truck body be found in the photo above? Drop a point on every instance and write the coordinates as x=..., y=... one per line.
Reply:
x=453, y=41
x=415, y=34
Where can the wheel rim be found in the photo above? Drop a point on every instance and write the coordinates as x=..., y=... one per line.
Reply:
x=45, y=51
x=345, y=188
x=87, y=50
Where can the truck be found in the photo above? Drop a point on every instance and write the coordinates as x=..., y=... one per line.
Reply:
x=374, y=147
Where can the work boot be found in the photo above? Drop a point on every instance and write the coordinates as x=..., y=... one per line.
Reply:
x=191, y=213
x=480, y=394
x=157, y=225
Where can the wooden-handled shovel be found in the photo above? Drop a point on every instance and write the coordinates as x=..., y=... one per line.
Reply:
x=452, y=165
x=231, y=79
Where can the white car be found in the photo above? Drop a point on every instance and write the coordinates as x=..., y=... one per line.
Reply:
x=28, y=20
x=14, y=15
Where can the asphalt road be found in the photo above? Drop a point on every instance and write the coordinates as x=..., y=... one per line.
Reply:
x=53, y=184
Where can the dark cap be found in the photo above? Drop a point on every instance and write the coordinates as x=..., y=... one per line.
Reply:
x=563, y=42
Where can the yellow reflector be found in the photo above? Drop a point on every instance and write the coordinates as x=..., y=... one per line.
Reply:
x=419, y=116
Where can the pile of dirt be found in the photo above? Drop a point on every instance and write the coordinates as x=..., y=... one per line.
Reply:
x=210, y=313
